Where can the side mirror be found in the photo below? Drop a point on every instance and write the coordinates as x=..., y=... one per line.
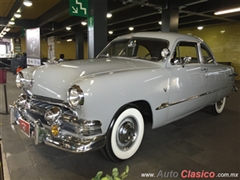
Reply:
x=165, y=53
x=186, y=60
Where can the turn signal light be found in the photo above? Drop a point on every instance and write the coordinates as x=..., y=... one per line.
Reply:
x=55, y=130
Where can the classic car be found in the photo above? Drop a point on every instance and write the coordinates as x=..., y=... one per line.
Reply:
x=103, y=103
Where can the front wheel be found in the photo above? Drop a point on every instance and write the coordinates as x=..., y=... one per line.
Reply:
x=126, y=135
x=218, y=107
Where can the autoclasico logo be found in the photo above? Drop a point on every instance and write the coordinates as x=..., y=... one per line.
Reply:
x=189, y=174
x=197, y=174
x=185, y=174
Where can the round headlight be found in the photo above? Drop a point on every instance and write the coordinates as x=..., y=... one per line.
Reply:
x=75, y=96
x=19, y=80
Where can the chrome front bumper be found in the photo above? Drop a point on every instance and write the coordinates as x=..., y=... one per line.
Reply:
x=66, y=139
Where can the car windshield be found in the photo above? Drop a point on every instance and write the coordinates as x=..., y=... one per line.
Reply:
x=141, y=48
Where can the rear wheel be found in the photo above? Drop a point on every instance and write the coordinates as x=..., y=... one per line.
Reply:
x=218, y=107
x=126, y=135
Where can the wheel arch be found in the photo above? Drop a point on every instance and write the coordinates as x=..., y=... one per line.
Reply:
x=142, y=105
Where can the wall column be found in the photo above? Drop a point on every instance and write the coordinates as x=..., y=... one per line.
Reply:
x=170, y=19
x=79, y=42
x=97, y=27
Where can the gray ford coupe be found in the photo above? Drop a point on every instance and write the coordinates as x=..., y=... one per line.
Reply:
x=102, y=103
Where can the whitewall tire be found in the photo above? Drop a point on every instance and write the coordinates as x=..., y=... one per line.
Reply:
x=126, y=135
x=218, y=107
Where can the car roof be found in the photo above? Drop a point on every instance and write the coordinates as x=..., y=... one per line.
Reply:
x=170, y=36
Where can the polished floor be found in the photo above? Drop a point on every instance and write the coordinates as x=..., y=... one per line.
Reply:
x=200, y=142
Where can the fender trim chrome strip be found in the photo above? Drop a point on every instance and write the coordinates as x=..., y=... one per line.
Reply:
x=167, y=104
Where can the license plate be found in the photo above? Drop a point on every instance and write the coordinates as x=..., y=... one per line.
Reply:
x=25, y=127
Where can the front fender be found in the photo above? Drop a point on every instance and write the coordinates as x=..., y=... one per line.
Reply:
x=105, y=94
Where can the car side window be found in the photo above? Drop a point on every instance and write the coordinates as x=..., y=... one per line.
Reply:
x=184, y=50
x=206, y=55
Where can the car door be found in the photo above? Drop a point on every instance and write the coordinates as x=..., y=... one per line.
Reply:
x=187, y=82
x=217, y=76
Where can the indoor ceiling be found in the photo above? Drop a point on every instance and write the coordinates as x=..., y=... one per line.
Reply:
x=53, y=16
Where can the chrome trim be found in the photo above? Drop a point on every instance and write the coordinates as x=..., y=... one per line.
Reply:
x=76, y=145
x=80, y=97
x=167, y=104
x=127, y=133
x=162, y=106
x=47, y=99
x=54, y=102
x=235, y=89
x=233, y=74
x=19, y=80
x=77, y=139
x=52, y=114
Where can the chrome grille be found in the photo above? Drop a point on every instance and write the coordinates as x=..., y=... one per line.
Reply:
x=39, y=105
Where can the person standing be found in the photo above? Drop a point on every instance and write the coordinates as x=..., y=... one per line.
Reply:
x=61, y=58
x=23, y=61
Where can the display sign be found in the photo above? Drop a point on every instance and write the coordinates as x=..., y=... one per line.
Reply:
x=24, y=127
x=33, y=46
x=17, y=41
x=78, y=8
x=51, y=47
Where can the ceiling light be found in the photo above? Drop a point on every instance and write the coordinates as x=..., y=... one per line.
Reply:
x=84, y=23
x=227, y=11
x=110, y=32
x=160, y=22
x=4, y=33
x=131, y=28
x=17, y=15
x=68, y=40
x=7, y=29
x=68, y=28
x=109, y=15
x=200, y=27
x=27, y=3
x=11, y=22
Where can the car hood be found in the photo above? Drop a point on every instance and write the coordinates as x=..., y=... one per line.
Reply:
x=53, y=80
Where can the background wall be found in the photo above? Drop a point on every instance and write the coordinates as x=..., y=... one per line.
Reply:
x=224, y=41
x=61, y=47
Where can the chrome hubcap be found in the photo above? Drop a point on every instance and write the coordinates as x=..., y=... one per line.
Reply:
x=219, y=104
x=127, y=133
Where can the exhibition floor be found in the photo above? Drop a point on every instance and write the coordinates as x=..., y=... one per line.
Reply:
x=200, y=142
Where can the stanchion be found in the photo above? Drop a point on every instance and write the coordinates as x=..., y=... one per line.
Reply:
x=3, y=81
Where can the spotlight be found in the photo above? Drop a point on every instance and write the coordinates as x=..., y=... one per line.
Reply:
x=84, y=23
x=27, y=3
x=131, y=28
x=17, y=15
x=11, y=22
x=68, y=28
x=109, y=15
x=200, y=27
x=110, y=32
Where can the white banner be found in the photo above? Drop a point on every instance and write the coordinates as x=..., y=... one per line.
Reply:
x=51, y=47
x=33, y=46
